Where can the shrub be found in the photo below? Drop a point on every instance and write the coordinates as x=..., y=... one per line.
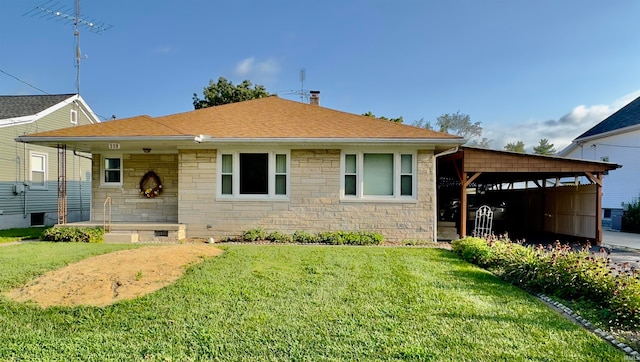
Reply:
x=73, y=234
x=279, y=237
x=327, y=237
x=304, y=237
x=631, y=216
x=350, y=238
x=472, y=249
x=254, y=234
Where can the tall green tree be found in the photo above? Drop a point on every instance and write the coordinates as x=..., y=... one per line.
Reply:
x=225, y=92
x=458, y=124
x=515, y=147
x=396, y=120
x=544, y=148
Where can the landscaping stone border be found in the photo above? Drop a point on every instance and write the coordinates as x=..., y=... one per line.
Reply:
x=573, y=316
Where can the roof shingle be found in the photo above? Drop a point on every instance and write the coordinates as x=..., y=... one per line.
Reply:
x=28, y=105
x=270, y=117
x=627, y=116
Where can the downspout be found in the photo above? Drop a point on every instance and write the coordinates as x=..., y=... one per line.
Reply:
x=435, y=188
x=24, y=180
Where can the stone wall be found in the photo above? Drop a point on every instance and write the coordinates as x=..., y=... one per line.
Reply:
x=314, y=204
x=128, y=205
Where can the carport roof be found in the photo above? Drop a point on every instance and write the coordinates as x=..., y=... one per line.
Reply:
x=494, y=166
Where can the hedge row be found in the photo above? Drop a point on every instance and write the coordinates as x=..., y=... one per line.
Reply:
x=560, y=271
x=303, y=237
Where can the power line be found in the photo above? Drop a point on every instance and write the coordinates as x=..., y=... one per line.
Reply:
x=22, y=81
x=41, y=90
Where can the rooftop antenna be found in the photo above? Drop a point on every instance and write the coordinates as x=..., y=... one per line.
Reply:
x=51, y=10
x=303, y=75
x=303, y=93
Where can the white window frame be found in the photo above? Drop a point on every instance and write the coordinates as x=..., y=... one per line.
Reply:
x=103, y=169
x=73, y=116
x=45, y=160
x=235, y=176
x=397, y=175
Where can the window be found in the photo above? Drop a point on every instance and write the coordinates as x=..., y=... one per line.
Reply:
x=253, y=174
x=37, y=219
x=378, y=175
x=73, y=116
x=38, y=171
x=350, y=175
x=111, y=171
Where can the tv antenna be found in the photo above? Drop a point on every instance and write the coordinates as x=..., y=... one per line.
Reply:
x=55, y=11
x=303, y=93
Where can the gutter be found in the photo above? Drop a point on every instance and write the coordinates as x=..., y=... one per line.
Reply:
x=34, y=139
x=447, y=152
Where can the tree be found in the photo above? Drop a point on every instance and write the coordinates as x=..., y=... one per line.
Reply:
x=225, y=92
x=396, y=120
x=458, y=124
x=483, y=143
x=515, y=147
x=544, y=148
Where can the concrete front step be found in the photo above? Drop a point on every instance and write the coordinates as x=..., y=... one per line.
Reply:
x=120, y=238
x=447, y=231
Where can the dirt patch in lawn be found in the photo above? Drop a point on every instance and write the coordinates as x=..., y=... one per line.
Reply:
x=105, y=279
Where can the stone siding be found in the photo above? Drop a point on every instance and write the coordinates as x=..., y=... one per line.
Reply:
x=314, y=203
x=128, y=205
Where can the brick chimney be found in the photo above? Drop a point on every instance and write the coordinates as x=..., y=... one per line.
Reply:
x=314, y=99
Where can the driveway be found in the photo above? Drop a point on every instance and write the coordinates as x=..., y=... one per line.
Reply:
x=625, y=247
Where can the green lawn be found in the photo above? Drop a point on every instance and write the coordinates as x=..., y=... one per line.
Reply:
x=311, y=303
x=18, y=234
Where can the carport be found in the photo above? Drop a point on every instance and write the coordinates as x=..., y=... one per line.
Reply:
x=533, y=196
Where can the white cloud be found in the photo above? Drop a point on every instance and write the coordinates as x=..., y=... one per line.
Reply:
x=257, y=71
x=244, y=67
x=560, y=132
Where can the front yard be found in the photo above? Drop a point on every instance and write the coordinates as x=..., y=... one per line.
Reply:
x=293, y=302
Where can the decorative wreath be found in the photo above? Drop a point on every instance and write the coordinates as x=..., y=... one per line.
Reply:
x=150, y=185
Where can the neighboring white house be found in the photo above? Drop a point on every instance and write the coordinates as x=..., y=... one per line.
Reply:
x=615, y=139
x=29, y=187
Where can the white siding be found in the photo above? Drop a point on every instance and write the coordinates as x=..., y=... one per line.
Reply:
x=621, y=185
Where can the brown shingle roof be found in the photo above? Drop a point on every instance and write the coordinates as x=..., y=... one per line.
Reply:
x=270, y=117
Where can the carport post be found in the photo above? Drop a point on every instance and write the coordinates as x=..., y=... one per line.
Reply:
x=463, y=206
x=597, y=179
x=464, y=182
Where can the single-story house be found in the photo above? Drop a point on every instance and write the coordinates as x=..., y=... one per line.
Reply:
x=615, y=139
x=30, y=192
x=272, y=163
x=285, y=166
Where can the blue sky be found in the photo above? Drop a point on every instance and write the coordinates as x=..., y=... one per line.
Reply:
x=525, y=69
